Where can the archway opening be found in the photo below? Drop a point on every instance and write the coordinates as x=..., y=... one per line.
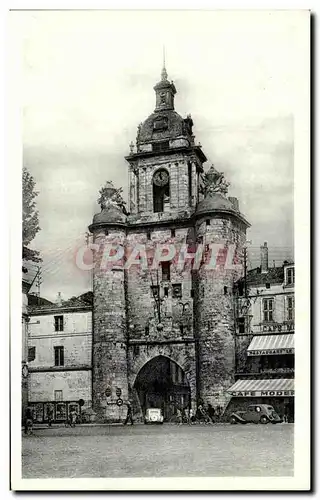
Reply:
x=162, y=383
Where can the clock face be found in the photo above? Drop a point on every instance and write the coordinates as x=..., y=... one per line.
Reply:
x=161, y=178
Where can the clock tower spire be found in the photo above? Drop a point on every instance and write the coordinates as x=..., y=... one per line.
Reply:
x=164, y=74
x=165, y=90
x=165, y=168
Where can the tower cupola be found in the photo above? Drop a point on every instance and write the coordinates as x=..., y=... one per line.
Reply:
x=165, y=92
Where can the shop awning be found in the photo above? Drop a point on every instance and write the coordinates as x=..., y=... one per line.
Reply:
x=271, y=344
x=257, y=388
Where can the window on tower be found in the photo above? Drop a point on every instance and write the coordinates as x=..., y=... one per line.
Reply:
x=177, y=291
x=160, y=146
x=165, y=268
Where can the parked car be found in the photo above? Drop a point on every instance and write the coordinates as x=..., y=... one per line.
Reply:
x=260, y=413
x=153, y=416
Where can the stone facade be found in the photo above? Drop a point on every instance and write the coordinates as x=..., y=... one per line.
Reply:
x=60, y=357
x=146, y=313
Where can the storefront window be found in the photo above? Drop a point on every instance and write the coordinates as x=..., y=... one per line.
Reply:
x=48, y=409
x=61, y=411
x=38, y=412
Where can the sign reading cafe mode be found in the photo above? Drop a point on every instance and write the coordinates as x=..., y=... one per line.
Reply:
x=262, y=393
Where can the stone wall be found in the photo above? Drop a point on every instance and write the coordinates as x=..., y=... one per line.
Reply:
x=74, y=385
x=43, y=323
x=77, y=350
x=175, y=311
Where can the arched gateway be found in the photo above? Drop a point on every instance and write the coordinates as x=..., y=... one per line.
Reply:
x=162, y=383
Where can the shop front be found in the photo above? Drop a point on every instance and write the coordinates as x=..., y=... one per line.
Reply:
x=59, y=411
x=278, y=393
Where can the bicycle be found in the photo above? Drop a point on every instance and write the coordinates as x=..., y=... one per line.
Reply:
x=179, y=420
x=204, y=420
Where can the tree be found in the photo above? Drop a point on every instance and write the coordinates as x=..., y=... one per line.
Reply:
x=30, y=216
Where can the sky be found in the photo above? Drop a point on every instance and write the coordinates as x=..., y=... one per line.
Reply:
x=87, y=81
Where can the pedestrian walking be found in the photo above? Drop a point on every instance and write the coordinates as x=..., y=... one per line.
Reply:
x=50, y=417
x=192, y=417
x=73, y=418
x=179, y=416
x=285, y=415
x=129, y=417
x=211, y=413
x=219, y=413
x=28, y=425
x=186, y=416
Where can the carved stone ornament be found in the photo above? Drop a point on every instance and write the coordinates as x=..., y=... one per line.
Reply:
x=138, y=133
x=214, y=182
x=111, y=197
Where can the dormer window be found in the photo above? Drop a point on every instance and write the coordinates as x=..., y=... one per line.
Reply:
x=290, y=276
x=160, y=124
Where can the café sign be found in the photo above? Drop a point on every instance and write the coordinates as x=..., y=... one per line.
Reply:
x=248, y=394
x=265, y=352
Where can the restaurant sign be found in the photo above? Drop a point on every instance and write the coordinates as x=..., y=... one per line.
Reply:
x=248, y=394
x=265, y=352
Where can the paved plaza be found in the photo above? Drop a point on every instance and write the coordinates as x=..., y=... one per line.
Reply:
x=159, y=451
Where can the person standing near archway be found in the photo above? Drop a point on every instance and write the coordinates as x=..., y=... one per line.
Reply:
x=129, y=415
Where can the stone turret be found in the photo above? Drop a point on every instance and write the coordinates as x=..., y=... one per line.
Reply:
x=217, y=222
x=109, y=320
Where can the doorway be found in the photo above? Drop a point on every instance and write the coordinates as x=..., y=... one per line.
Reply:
x=162, y=383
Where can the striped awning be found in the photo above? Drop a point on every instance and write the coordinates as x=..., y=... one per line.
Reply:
x=258, y=388
x=271, y=344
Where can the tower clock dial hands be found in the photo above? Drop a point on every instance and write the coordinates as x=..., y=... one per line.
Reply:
x=161, y=178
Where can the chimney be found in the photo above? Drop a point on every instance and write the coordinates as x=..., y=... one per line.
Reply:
x=235, y=203
x=59, y=299
x=264, y=258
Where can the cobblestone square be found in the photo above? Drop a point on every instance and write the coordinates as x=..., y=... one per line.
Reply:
x=159, y=451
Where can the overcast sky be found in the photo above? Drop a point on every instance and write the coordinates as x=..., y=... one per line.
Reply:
x=87, y=81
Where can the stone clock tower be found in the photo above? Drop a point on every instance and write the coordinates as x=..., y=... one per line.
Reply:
x=165, y=169
x=164, y=334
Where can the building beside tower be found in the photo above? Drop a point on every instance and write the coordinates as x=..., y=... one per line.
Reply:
x=163, y=327
x=265, y=312
x=59, y=357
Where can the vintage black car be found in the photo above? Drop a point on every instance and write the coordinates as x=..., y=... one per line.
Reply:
x=258, y=414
